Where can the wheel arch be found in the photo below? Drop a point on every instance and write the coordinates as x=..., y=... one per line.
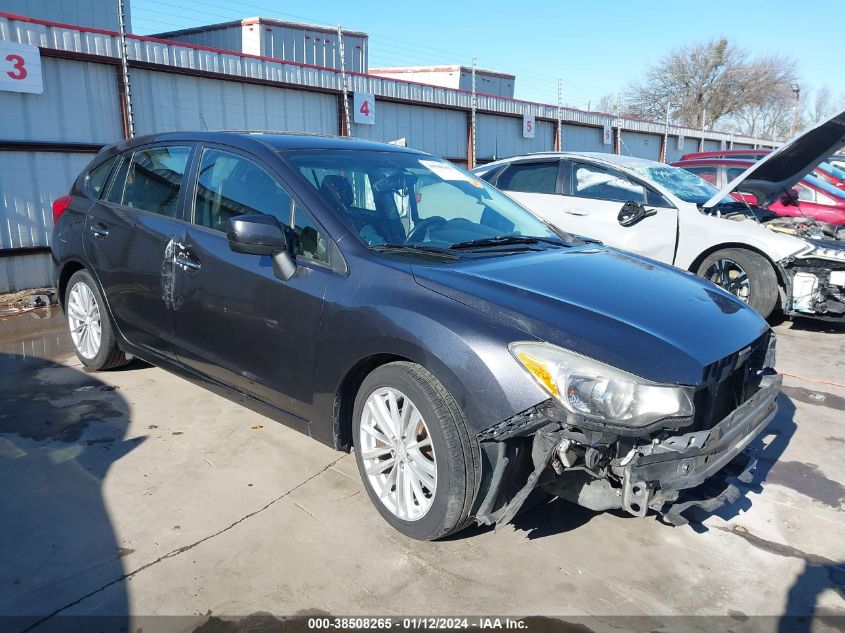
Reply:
x=68, y=269
x=344, y=398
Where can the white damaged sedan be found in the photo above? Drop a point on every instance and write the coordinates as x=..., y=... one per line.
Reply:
x=673, y=216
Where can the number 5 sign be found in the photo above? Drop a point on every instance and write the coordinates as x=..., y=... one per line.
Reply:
x=364, y=108
x=528, y=124
x=20, y=68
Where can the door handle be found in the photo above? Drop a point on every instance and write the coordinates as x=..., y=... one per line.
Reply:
x=100, y=230
x=574, y=212
x=187, y=261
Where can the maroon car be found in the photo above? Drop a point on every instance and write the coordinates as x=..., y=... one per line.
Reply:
x=826, y=171
x=815, y=198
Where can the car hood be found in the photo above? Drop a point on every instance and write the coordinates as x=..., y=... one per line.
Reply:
x=779, y=170
x=633, y=313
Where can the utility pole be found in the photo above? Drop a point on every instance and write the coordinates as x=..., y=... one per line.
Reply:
x=666, y=135
x=796, y=90
x=124, y=72
x=347, y=131
x=559, y=143
x=474, y=104
x=703, y=121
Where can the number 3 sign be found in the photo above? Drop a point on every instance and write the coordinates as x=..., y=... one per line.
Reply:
x=364, y=108
x=20, y=68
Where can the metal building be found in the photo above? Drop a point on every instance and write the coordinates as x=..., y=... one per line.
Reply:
x=303, y=43
x=457, y=77
x=48, y=135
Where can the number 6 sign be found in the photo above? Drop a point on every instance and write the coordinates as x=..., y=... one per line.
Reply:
x=20, y=68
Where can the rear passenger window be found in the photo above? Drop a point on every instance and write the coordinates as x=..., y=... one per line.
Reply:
x=98, y=177
x=229, y=185
x=153, y=180
x=529, y=177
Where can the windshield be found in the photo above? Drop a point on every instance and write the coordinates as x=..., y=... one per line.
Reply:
x=679, y=182
x=398, y=198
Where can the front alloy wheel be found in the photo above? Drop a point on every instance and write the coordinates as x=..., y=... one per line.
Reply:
x=744, y=273
x=731, y=276
x=398, y=454
x=418, y=461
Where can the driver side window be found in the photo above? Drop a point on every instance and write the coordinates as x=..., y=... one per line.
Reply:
x=229, y=185
x=600, y=183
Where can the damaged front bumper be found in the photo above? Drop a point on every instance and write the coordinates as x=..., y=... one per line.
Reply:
x=815, y=287
x=656, y=472
x=601, y=471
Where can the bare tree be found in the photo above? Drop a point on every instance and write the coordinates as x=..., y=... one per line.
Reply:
x=607, y=103
x=823, y=105
x=709, y=82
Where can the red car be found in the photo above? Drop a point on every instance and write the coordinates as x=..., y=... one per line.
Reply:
x=816, y=198
x=825, y=171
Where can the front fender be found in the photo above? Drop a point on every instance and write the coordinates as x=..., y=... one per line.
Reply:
x=466, y=350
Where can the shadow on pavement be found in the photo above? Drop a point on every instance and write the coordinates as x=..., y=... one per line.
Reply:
x=61, y=429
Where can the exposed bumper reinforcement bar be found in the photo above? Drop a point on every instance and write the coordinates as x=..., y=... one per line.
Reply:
x=658, y=471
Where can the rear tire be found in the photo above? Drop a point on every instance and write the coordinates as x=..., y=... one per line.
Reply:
x=745, y=274
x=390, y=462
x=91, y=330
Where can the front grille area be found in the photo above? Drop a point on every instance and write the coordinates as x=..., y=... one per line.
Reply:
x=729, y=382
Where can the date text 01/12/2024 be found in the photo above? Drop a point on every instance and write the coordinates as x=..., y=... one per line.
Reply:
x=417, y=623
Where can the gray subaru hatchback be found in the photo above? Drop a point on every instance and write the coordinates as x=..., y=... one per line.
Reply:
x=380, y=298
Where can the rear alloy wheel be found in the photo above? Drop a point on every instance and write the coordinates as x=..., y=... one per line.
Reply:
x=90, y=328
x=746, y=274
x=416, y=458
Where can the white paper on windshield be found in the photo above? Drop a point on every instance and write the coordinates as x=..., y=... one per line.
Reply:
x=447, y=171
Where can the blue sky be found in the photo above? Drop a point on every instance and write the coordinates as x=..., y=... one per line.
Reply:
x=594, y=48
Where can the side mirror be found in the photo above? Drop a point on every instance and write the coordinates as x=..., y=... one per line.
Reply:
x=632, y=212
x=790, y=198
x=262, y=235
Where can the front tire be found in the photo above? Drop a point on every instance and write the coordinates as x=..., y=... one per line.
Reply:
x=745, y=274
x=417, y=460
x=91, y=330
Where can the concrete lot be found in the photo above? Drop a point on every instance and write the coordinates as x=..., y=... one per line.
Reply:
x=136, y=492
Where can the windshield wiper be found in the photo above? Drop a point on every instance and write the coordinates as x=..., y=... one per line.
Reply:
x=504, y=240
x=419, y=249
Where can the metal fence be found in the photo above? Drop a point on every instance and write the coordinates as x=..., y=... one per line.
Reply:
x=46, y=139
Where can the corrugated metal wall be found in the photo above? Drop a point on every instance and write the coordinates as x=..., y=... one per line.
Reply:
x=26, y=271
x=79, y=105
x=711, y=146
x=674, y=154
x=743, y=146
x=433, y=130
x=229, y=38
x=29, y=182
x=101, y=14
x=642, y=145
x=579, y=138
x=179, y=102
x=311, y=47
x=501, y=137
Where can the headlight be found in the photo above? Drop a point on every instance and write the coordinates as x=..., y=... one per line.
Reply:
x=821, y=252
x=594, y=390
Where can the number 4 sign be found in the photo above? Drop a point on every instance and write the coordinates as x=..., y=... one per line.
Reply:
x=364, y=108
x=20, y=68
